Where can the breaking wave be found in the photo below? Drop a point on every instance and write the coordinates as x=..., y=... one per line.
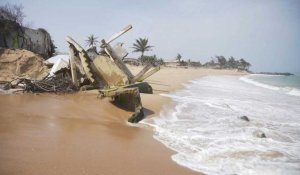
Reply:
x=206, y=130
x=287, y=90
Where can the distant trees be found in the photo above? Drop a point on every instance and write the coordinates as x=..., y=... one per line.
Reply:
x=244, y=65
x=230, y=63
x=180, y=60
x=222, y=61
x=152, y=60
x=210, y=64
x=141, y=45
x=178, y=57
x=195, y=64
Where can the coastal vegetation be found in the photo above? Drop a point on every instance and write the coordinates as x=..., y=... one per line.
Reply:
x=218, y=62
x=230, y=63
x=151, y=60
x=141, y=45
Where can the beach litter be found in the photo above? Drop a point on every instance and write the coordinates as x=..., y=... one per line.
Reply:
x=86, y=70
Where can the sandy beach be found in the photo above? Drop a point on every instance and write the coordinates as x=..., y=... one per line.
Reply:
x=81, y=134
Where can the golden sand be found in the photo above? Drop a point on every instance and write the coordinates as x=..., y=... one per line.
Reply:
x=80, y=134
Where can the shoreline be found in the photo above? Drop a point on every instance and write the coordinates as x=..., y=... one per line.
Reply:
x=166, y=102
x=80, y=134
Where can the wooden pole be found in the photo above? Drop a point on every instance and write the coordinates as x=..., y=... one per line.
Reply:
x=73, y=67
x=148, y=74
x=141, y=73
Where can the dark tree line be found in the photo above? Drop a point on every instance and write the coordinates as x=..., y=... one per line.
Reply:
x=151, y=60
x=230, y=63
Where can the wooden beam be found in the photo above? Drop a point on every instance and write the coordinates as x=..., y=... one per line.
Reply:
x=73, y=67
x=148, y=74
x=117, y=35
x=141, y=73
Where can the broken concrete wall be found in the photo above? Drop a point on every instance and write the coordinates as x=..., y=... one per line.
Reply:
x=12, y=35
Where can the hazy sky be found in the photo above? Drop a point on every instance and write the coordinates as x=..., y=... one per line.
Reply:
x=264, y=32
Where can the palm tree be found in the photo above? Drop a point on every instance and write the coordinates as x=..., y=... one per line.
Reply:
x=222, y=61
x=178, y=57
x=142, y=46
x=244, y=64
x=231, y=63
x=92, y=41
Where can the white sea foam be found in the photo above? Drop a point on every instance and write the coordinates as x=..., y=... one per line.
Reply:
x=206, y=131
x=247, y=80
x=295, y=92
x=287, y=90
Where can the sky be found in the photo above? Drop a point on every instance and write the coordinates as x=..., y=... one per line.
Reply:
x=266, y=33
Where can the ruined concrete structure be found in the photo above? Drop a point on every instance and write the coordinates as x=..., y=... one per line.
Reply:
x=12, y=35
x=107, y=72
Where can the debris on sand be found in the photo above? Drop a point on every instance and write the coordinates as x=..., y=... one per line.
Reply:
x=104, y=71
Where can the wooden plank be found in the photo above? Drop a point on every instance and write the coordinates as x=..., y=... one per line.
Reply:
x=141, y=73
x=73, y=67
x=117, y=35
x=148, y=74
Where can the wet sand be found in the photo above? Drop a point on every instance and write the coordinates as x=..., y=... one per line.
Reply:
x=80, y=134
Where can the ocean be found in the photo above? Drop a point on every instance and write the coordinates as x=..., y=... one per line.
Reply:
x=206, y=129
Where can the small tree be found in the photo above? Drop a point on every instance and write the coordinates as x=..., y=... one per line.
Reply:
x=141, y=45
x=178, y=58
x=222, y=61
x=232, y=63
x=244, y=65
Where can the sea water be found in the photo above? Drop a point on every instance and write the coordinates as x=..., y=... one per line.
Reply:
x=207, y=132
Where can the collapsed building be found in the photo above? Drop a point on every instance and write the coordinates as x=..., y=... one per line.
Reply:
x=104, y=71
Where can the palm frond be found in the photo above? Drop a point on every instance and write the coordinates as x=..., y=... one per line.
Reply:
x=141, y=45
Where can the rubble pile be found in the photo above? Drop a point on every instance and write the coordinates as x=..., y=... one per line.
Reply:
x=104, y=71
x=61, y=82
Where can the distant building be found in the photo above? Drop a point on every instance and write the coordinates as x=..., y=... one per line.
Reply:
x=132, y=61
x=171, y=62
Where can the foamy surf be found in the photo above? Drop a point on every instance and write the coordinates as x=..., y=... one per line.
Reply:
x=206, y=131
x=284, y=89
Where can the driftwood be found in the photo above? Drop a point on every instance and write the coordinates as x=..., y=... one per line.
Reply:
x=73, y=67
x=61, y=82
